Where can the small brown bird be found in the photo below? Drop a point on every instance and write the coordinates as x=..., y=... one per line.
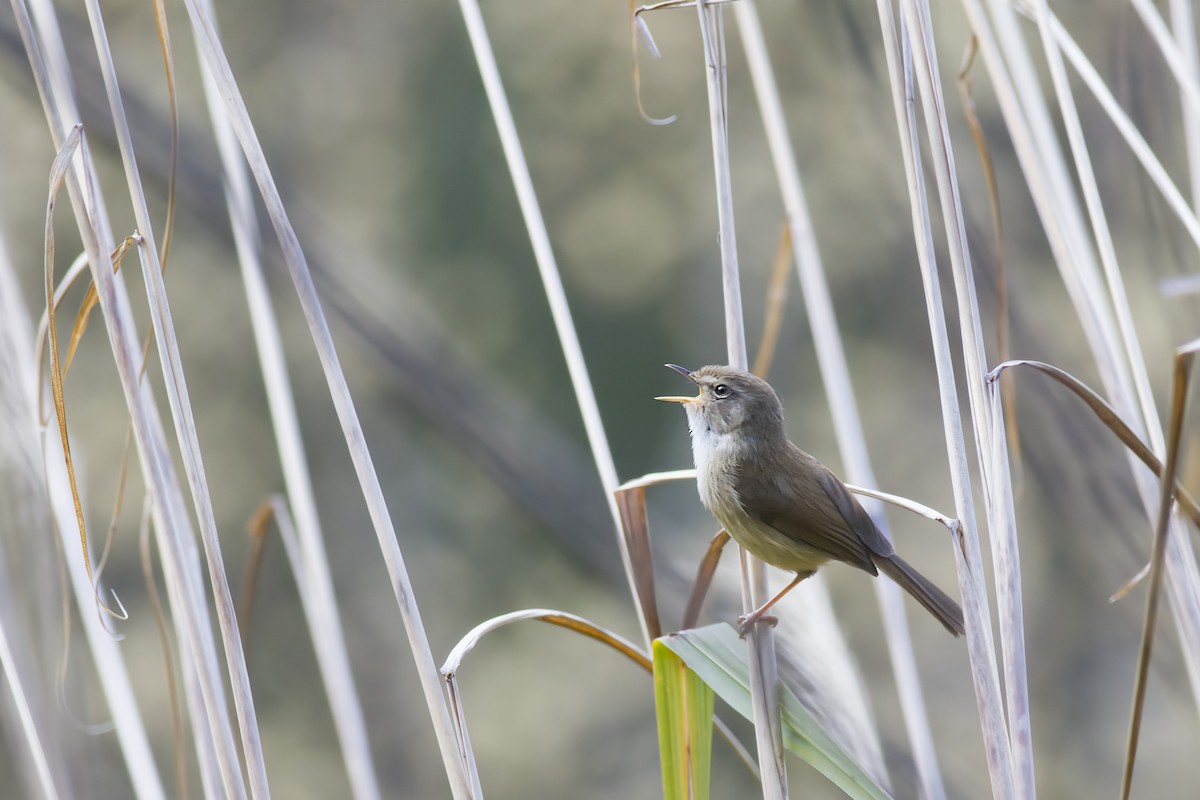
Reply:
x=779, y=502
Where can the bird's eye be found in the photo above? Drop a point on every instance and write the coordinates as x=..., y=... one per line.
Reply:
x=721, y=390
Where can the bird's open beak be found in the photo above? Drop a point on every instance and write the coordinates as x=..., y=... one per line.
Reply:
x=687, y=373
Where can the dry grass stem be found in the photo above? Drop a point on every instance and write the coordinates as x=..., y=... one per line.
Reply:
x=704, y=577
x=322, y=612
x=1003, y=346
x=835, y=375
x=898, y=49
x=179, y=399
x=1184, y=26
x=763, y=668
x=1022, y=66
x=1184, y=357
x=777, y=292
x=171, y=674
x=551, y=280
x=216, y=63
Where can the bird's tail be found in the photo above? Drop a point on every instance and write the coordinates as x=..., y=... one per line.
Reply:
x=938, y=602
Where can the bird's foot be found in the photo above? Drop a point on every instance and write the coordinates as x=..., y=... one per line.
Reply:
x=746, y=622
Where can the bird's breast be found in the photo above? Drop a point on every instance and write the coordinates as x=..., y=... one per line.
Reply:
x=717, y=465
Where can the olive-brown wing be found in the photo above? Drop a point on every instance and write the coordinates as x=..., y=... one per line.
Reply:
x=806, y=502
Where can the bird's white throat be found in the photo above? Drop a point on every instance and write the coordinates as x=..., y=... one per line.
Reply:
x=706, y=442
x=711, y=450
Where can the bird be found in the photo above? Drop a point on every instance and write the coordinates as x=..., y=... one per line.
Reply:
x=777, y=501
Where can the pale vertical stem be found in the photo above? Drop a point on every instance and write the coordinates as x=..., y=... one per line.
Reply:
x=1019, y=96
x=111, y=671
x=836, y=378
x=761, y=645
x=1008, y=587
x=208, y=42
x=1184, y=25
x=204, y=737
x=1183, y=364
x=1006, y=564
x=315, y=581
x=185, y=431
x=1191, y=101
x=24, y=519
x=970, y=569
x=551, y=281
x=1183, y=577
x=712, y=38
x=17, y=463
x=25, y=717
x=1091, y=193
x=992, y=449
x=1128, y=335
x=1020, y=93
x=1040, y=156
x=1095, y=210
x=176, y=544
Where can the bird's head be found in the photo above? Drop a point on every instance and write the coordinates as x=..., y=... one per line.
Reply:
x=730, y=400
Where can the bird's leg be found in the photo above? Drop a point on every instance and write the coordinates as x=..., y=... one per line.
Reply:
x=748, y=621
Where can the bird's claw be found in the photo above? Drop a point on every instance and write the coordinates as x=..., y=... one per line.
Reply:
x=747, y=621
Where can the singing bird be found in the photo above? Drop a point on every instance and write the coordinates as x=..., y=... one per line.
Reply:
x=779, y=502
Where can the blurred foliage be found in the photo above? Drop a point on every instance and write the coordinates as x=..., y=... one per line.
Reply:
x=375, y=123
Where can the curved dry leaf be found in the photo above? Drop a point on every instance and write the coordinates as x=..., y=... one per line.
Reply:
x=561, y=618
x=631, y=503
x=90, y=300
x=638, y=26
x=58, y=172
x=453, y=662
x=1105, y=413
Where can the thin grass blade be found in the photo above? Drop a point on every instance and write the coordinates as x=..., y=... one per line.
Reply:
x=1183, y=366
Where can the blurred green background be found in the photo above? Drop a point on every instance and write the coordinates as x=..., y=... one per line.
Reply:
x=374, y=121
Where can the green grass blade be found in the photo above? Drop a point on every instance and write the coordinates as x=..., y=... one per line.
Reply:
x=684, y=703
x=718, y=658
